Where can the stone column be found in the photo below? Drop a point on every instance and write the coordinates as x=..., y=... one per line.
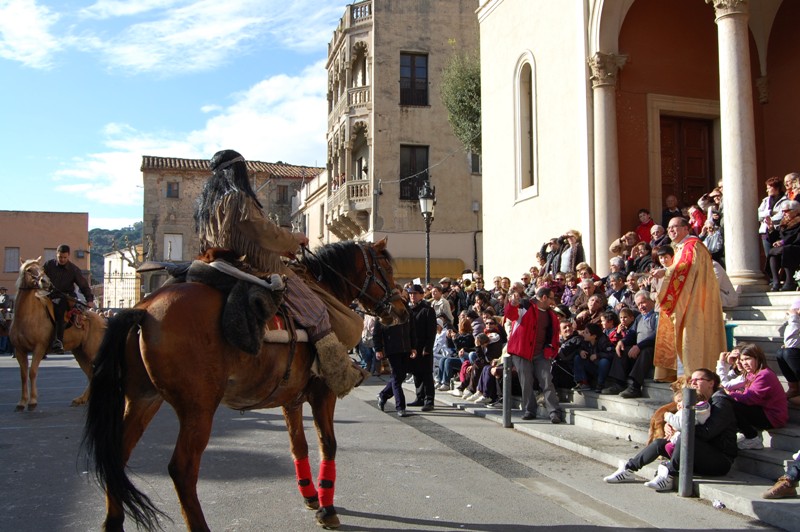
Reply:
x=739, y=197
x=607, y=225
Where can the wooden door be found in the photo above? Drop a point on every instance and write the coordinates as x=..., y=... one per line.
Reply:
x=687, y=160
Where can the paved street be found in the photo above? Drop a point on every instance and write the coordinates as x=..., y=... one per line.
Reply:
x=440, y=471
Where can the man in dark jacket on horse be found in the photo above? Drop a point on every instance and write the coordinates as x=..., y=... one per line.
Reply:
x=64, y=275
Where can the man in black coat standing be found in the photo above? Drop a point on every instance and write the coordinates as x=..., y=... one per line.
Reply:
x=421, y=367
x=396, y=343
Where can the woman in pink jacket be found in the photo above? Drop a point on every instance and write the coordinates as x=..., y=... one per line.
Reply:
x=761, y=404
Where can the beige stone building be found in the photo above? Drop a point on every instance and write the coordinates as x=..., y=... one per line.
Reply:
x=593, y=110
x=30, y=234
x=388, y=133
x=308, y=211
x=171, y=187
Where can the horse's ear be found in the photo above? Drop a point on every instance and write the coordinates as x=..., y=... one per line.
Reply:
x=39, y=259
x=380, y=245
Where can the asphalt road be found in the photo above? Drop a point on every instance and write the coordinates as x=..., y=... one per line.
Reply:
x=440, y=471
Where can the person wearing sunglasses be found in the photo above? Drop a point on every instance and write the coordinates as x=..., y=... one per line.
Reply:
x=714, y=441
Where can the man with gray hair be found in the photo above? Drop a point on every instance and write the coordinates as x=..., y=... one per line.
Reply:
x=634, y=359
x=658, y=236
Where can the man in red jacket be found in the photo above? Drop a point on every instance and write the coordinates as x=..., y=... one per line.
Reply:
x=533, y=344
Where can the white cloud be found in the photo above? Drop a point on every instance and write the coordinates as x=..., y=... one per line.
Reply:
x=167, y=37
x=104, y=9
x=280, y=118
x=25, y=33
x=199, y=36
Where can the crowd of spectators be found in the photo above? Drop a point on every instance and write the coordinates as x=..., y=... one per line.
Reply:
x=602, y=329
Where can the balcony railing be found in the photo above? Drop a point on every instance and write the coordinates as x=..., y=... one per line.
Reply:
x=358, y=97
x=361, y=12
x=354, y=195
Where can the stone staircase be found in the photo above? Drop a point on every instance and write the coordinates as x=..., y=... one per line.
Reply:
x=610, y=428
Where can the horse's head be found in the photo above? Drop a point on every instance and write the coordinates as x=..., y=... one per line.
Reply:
x=32, y=276
x=380, y=293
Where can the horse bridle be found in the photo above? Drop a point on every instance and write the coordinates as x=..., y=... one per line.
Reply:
x=38, y=277
x=380, y=307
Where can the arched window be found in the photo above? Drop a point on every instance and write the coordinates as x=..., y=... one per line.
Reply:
x=526, y=174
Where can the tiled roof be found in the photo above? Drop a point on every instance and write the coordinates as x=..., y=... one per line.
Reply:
x=150, y=162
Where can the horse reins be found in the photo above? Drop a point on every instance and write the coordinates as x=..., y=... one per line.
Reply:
x=380, y=306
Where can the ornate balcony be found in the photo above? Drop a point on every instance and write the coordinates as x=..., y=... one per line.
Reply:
x=348, y=209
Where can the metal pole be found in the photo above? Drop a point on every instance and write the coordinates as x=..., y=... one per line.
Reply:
x=427, y=249
x=507, y=391
x=685, y=475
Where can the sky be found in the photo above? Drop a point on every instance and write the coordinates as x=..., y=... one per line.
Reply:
x=88, y=88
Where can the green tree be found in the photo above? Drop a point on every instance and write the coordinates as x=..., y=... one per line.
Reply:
x=461, y=95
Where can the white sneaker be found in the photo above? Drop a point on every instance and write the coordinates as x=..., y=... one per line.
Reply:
x=753, y=444
x=622, y=474
x=456, y=392
x=483, y=400
x=662, y=481
x=443, y=388
x=475, y=397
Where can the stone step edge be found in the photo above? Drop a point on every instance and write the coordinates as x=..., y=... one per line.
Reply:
x=740, y=492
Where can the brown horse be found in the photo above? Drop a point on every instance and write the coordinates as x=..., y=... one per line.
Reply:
x=170, y=348
x=33, y=330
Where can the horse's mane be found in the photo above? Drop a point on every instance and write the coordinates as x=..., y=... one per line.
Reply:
x=336, y=257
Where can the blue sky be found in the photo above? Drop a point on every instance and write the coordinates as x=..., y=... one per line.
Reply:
x=87, y=88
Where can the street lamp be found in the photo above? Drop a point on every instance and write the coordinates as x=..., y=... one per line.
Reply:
x=427, y=200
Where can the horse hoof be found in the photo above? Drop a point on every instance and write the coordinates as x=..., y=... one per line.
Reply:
x=32, y=407
x=327, y=518
x=19, y=408
x=77, y=402
x=312, y=503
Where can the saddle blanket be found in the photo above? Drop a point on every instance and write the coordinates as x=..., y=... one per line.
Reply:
x=281, y=336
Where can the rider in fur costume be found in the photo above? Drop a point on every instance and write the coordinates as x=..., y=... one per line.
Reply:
x=228, y=215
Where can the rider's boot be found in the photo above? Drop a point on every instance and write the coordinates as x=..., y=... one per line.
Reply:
x=58, y=343
x=341, y=374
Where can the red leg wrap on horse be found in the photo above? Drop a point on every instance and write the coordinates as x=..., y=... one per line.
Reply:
x=327, y=479
x=304, y=483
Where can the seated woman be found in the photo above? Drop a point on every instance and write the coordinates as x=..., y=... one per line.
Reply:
x=785, y=252
x=471, y=370
x=462, y=343
x=642, y=257
x=594, y=359
x=761, y=404
x=441, y=349
x=714, y=441
x=573, y=296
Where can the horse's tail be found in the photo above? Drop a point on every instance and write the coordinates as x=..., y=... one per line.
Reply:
x=102, y=434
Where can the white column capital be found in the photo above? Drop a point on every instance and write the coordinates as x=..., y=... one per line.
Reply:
x=725, y=8
x=605, y=68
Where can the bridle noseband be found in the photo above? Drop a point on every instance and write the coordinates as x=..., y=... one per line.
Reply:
x=382, y=307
